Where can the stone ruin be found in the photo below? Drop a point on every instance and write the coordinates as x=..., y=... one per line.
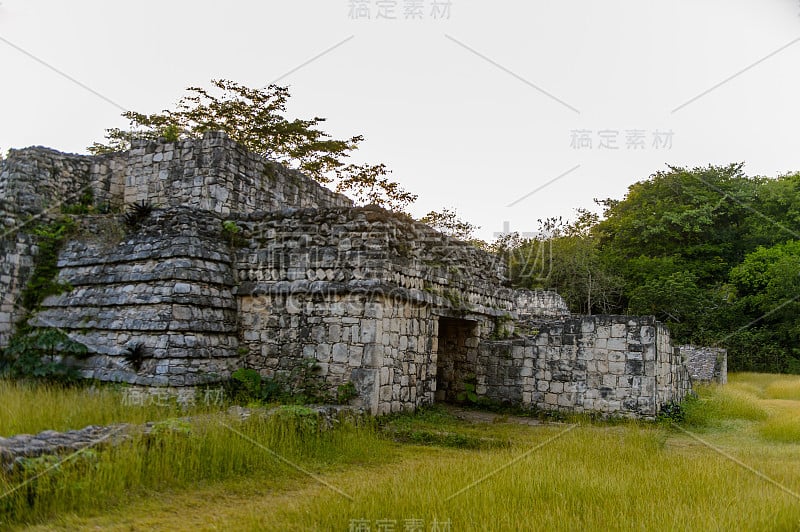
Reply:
x=245, y=263
x=706, y=364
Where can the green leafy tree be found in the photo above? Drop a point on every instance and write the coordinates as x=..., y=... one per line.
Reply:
x=696, y=219
x=687, y=243
x=675, y=299
x=256, y=119
x=767, y=306
x=567, y=259
x=448, y=222
x=775, y=211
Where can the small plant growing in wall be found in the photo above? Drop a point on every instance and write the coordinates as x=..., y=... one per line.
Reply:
x=469, y=394
x=50, y=239
x=85, y=204
x=345, y=393
x=306, y=385
x=502, y=327
x=136, y=214
x=232, y=233
x=135, y=355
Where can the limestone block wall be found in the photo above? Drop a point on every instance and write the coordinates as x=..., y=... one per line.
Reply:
x=167, y=286
x=540, y=304
x=369, y=248
x=385, y=347
x=212, y=173
x=706, y=364
x=217, y=174
x=618, y=365
x=16, y=264
x=408, y=346
x=36, y=181
x=34, y=184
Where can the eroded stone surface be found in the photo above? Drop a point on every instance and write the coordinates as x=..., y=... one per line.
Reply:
x=706, y=364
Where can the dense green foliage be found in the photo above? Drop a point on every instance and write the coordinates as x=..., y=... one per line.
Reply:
x=43, y=282
x=302, y=385
x=41, y=354
x=710, y=251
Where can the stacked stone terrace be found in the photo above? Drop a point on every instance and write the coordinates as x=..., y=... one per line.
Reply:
x=247, y=264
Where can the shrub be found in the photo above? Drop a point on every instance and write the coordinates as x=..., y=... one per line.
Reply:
x=671, y=412
x=50, y=239
x=85, y=204
x=469, y=393
x=302, y=385
x=136, y=214
x=346, y=392
x=42, y=354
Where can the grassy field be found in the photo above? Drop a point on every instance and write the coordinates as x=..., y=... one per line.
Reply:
x=26, y=408
x=733, y=464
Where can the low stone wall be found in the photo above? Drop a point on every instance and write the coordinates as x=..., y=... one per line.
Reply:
x=385, y=347
x=15, y=449
x=615, y=365
x=706, y=364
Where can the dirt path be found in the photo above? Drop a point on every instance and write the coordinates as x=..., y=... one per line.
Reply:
x=479, y=416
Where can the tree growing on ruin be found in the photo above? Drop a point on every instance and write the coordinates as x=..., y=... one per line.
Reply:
x=256, y=119
x=448, y=222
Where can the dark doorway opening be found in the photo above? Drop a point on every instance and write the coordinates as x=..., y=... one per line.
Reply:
x=457, y=358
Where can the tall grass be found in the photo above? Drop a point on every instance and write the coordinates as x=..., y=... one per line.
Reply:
x=784, y=389
x=29, y=407
x=782, y=427
x=767, y=385
x=593, y=476
x=181, y=455
x=716, y=404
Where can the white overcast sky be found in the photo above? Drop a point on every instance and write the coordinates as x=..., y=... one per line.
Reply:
x=474, y=109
